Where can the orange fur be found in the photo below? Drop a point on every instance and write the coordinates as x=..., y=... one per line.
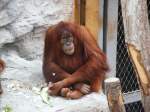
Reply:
x=2, y=65
x=88, y=63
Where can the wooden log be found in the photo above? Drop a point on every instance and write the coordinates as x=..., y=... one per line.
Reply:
x=136, y=26
x=139, y=67
x=137, y=31
x=114, y=95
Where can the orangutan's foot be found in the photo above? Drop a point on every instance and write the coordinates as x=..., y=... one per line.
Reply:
x=75, y=94
x=64, y=91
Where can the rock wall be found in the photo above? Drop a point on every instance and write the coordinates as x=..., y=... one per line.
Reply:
x=23, y=24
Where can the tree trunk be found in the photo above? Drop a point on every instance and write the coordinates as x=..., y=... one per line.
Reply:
x=114, y=95
x=137, y=32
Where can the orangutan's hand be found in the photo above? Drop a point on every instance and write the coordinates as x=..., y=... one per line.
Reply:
x=84, y=88
x=54, y=88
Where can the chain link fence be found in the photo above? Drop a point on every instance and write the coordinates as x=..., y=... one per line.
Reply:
x=124, y=68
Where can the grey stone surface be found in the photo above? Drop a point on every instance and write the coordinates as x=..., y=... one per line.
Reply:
x=27, y=101
x=27, y=20
x=6, y=37
x=10, y=11
x=21, y=77
x=3, y=3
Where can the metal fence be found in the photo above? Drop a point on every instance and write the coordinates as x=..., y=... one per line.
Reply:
x=124, y=68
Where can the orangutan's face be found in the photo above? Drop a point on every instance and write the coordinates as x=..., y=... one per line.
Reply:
x=67, y=43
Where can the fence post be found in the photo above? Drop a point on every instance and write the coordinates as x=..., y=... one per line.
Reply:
x=114, y=95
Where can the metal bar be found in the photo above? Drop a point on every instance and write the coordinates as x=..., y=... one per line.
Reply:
x=105, y=21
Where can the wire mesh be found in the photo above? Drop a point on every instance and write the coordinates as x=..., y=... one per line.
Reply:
x=124, y=68
x=134, y=107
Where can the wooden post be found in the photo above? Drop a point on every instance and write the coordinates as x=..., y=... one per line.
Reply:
x=114, y=95
x=76, y=11
x=82, y=12
x=92, y=16
x=86, y=12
